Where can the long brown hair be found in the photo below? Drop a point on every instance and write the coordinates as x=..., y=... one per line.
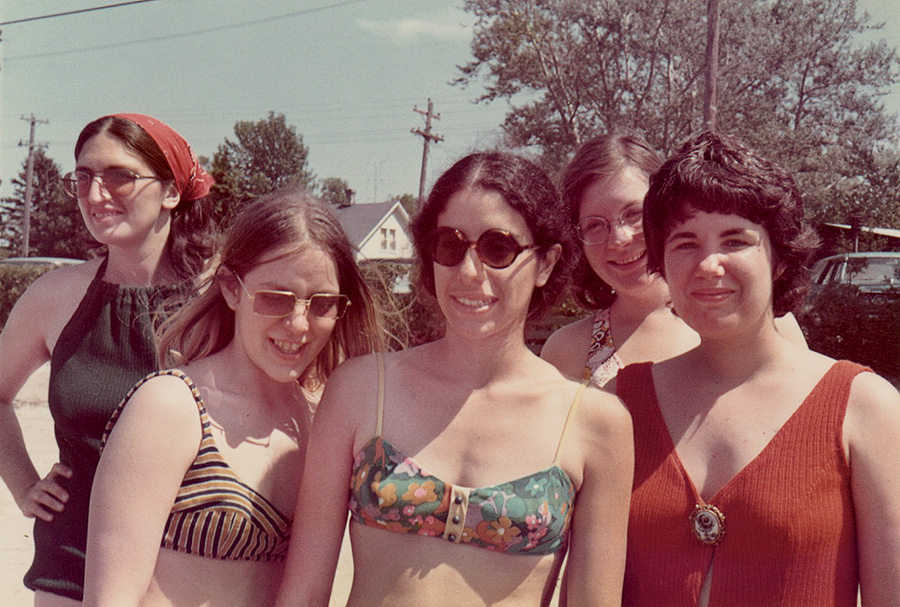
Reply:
x=600, y=157
x=290, y=218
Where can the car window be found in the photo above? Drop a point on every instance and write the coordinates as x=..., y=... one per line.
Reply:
x=873, y=270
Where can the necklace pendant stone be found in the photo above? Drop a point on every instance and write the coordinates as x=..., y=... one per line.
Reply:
x=708, y=524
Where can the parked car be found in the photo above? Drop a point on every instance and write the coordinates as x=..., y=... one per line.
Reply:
x=875, y=275
x=853, y=310
x=39, y=261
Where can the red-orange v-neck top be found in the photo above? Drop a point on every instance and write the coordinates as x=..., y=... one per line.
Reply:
x=790, y=532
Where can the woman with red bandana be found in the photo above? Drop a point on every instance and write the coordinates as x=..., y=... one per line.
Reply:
x=139, y=188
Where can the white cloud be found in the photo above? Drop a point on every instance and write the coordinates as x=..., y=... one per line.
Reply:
x=406, y=31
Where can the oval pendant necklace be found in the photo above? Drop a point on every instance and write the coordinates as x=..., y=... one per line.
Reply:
x=708, y=524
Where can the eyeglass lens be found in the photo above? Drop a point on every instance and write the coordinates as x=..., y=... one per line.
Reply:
x=495, y=248
x=278, y=304
x=596, y=229
x=119, y=182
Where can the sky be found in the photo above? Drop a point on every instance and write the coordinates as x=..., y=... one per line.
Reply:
x=346, y=73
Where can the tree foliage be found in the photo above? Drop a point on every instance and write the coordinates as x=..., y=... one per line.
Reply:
x=333, y=190
x=794, y=82
x=56, y=227
x=265, y=155
x=409, y=202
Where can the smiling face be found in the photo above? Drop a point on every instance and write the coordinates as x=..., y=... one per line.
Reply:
x=132, y=220
x=479, y=300
x=283, y=348
x=620, y=259
x=720, y=272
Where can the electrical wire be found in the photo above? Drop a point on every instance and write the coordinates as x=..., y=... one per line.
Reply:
x=83, y=10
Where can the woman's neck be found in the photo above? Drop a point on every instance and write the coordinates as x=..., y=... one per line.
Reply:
x=230, y=371
x=484, y=361
x=632, y=307
x=741, y=356
x=148, y=266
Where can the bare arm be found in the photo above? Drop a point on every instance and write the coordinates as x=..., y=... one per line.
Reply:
x=872, y=433
x=321, y=513
x=144, y=462
x=596, y=563
x=24, y=348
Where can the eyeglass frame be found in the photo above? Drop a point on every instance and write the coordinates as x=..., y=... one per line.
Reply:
x=637, y=228
x=306, y=302
x=473, y=244
x=72, y=178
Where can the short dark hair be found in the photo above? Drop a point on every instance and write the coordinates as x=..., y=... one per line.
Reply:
x=715, y=173
x=598, y=158
x=527, y=189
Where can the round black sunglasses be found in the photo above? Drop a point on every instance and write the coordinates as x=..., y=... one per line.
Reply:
x=495, y=248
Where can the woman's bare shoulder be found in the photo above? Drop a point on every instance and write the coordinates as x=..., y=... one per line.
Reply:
x=602, y=431
x=605, y=411
x=62, y=285
x=567, y=348
x=43, y=310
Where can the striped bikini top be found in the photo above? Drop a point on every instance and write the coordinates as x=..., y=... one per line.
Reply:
x=527, y=516
x=215, y=514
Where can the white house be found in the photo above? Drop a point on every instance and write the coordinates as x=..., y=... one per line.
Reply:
x=380, y=230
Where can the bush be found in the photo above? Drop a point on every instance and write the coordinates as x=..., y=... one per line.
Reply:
x=842, y=323
x=13, y=282
x=408, y=319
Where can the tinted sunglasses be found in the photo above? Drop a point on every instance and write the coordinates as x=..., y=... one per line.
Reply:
x=280, y=304
x=495, y=248
x=118, y=182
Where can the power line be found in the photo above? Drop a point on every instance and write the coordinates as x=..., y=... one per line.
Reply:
x=83, y=10
x=186, y=34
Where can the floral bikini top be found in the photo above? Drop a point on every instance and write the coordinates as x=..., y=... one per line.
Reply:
x=603, y=363
x=529, y=515
x=215, y=514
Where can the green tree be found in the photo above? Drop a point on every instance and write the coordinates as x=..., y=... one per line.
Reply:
x=869, y=193
x=56, y=227
x=265, y=155
x=794, y=81
x=410, y=203
x=333, y=190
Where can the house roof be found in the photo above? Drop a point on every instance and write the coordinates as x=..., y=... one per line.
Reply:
x=889, y=232
x=359, y=220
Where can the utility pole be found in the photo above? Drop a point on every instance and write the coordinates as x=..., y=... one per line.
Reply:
x=29, y=184
x=710, y=109
x=428, y=137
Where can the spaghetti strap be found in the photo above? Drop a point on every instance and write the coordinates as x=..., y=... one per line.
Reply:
x=571, y=416
x=379, y=403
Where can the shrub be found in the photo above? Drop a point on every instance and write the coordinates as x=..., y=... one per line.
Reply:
x=408, y=319
x=13, y=282
x=842, y=323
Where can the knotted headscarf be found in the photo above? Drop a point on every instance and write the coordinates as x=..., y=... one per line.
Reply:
x=191, y=179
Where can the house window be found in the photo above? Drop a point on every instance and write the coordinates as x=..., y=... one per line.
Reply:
x=384, y=233
x=393, y=234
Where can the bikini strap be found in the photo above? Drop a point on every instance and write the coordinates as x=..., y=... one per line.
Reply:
x=573, y=408
x=379, y=403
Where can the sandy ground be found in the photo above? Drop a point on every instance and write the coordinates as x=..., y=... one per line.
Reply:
x=16, y=549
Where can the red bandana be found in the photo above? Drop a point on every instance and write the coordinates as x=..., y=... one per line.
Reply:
x=192, y=181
